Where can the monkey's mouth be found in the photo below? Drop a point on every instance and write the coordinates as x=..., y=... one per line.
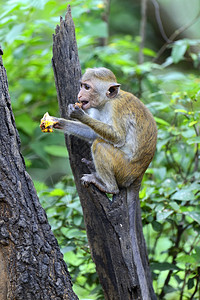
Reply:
x=85, y=104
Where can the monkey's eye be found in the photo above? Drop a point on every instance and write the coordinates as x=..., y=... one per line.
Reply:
x=86, y=86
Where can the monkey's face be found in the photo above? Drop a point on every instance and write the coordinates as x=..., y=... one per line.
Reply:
x=95, y=93
x=88, y=95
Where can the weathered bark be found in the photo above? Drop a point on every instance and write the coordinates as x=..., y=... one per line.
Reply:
x=107, y=222
x=31, y=264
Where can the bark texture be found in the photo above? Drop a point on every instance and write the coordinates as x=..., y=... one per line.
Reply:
x=31, y=264
x=107, y=222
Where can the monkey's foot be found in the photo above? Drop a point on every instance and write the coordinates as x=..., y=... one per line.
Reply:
x=92, y=178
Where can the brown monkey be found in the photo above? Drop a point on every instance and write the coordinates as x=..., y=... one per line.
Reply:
x=122, y=130
x=123, y=135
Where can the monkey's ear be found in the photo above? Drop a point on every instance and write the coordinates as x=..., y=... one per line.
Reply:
x=113, y=90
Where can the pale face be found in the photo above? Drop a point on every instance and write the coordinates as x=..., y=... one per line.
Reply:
x=87, y=95
x=95, y=93
x=84, y=95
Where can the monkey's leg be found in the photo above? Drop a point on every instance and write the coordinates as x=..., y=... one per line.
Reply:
x=113, y=167
x=104, y=160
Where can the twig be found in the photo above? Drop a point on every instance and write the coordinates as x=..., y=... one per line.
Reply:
x=184, y=283
x=188, y=271
x=196, y=158
x=142, y=37
x=197, y=284
x=105, y=18
x=142, y=29
x=180, y=230
x=159, y=21
x=174, y=35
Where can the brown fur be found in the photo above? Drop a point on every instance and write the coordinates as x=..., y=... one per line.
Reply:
x=111, y=160
x=122, y=129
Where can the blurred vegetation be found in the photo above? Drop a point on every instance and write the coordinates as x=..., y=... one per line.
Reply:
x=170, y=195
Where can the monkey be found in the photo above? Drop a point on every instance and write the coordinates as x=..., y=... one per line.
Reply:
x=121, y=129
x=123, y=135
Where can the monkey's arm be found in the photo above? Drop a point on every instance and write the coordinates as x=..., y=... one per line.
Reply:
x=75, y=128
x=116, y=136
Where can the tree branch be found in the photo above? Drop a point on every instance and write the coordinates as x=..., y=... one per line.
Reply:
x=142, y=29
x=159, y=21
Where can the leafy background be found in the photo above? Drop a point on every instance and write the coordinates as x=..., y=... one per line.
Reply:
x=167, y=82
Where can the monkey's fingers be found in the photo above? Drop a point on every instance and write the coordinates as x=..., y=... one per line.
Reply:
x=85, y=161
x=57, y=125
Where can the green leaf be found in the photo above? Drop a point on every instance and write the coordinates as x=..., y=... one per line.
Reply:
x=192, y=123
x=67, y=249
x=190, y=283
x=156, y=104
x=149, y=52
x=36, y=147
x=189, y=133
x=194, y=140
x=194, y=215
x=77, y=220
x=163, y=266
x=39, y=4
x=75, y=260
x=181, y=111
x=161, y=121
x=156, y=226
x=197, y=249
x=183, y=195
x=75, y=233
x=169, y=183
x=14, y=33
x=178, y=51
x=162, y=143
x=57, y=192
x=25, y=123
x=163, y=215
x=55, y=150
x=160, y=173
x=185, y=258
x=174, y=205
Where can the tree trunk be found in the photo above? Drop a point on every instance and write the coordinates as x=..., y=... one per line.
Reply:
x=31, y=264
x=107, y=222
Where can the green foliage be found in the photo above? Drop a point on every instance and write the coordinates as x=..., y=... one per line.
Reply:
x=170, y=196
x=170, y=192
x=180, y=48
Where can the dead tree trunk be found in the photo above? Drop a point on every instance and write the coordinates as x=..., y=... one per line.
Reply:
x=31, y=264
x=107, y=222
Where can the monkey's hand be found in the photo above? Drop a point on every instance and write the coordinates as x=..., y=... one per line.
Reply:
x=59, y=123
x=75, y=112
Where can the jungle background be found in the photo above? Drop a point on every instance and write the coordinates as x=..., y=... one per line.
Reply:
x=161, y=66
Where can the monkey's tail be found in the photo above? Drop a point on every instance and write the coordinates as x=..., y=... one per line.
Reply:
x=140, y=257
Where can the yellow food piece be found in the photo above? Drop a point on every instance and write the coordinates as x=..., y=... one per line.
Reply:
x=47, y=123
x=78, y=104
